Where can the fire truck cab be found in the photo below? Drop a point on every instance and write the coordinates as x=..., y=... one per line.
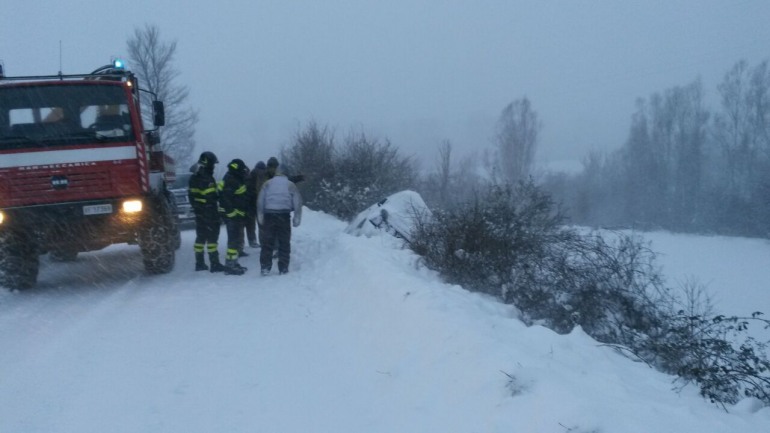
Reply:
x=79, y=171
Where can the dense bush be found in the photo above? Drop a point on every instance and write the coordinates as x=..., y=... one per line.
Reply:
x=367, y=170
x=343, y=181
x=312, y=155
x=481, y=244
x=511, y=243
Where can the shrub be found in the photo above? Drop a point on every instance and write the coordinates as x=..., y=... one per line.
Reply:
x=481, y=245
x=344, y=181
x=510, y=243
x=312, y=155
x=365, y=171
x=703, y=350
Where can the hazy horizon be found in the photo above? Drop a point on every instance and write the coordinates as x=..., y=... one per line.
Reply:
x=415, y=73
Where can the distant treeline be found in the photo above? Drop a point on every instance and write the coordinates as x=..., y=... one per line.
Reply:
x=684, y=167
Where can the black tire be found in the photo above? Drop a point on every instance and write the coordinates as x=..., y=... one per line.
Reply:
x=177, y=234
x=19, y=261
x=174, y=219
x=157, y=240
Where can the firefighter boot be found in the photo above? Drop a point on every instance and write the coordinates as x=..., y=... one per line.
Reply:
x=216, y=266
x=200, y=264
x=233, y=268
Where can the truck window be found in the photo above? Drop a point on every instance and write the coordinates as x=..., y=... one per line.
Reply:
x=28, y=115
x=107, y=120
x=55, y=115
x=22, y=115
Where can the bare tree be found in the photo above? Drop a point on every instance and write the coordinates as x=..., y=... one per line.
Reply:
x=742, y=126
x=733, y=130
x=152, y=61
x=444, y=170
x=690, y=117
x=759, y=101
x=453, y=181
x=517, y=131
x=311, y=153
x=643, y=170
x=663, y=159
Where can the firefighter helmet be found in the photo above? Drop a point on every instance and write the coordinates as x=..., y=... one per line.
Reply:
x=237, y=165
x=208, y=159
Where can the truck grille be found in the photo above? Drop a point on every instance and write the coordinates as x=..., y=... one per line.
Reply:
x=29, y=188
x=27, y=185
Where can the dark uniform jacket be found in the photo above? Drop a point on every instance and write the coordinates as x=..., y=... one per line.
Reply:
x=203, y=193
x=234, y=200
x=256, y=178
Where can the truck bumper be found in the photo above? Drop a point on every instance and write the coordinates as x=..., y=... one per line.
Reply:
x=81, y=226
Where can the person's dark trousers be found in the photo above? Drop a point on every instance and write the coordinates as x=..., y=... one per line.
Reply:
x=206, y=239
x=206, y=229
x=277, y=229
x=251, y=229
x=261, y=233
x=234, y=237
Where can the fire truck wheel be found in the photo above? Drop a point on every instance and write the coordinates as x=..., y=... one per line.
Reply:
x=177, y=234
x=157, y=250
x=19, y=262
x=157, y=242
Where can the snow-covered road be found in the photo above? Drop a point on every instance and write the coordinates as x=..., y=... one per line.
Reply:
x=355, y=338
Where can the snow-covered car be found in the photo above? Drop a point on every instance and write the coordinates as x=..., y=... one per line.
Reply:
x=397, y=215
x=179, y=189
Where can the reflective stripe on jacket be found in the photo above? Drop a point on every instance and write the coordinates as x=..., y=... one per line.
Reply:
x=202, y=191
x=234, y=199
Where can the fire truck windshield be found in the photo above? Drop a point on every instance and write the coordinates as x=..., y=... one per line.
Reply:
x=69, y=114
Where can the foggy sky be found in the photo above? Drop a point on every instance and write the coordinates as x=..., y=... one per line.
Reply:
x=415, y=72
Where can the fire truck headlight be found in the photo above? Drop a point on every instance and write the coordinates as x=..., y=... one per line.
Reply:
x=132, y=206
x=2, y=217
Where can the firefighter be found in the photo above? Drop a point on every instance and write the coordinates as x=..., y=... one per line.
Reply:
x=203, y=197
x=234, y=202
x=277, y=199
x=256, y=178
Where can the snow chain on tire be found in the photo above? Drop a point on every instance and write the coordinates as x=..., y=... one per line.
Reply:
x=19, y=261
x=157, y=239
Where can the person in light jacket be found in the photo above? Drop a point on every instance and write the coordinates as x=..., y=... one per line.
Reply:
x=277, y=199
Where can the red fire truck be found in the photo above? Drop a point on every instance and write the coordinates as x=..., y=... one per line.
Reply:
x=79, y=171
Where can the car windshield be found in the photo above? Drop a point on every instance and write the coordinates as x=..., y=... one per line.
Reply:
x=46, y=115
x=182, y=180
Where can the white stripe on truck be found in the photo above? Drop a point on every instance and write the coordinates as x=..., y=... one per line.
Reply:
x=69, y=156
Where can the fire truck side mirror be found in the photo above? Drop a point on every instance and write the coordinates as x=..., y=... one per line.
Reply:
x=159, y=113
